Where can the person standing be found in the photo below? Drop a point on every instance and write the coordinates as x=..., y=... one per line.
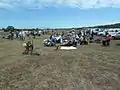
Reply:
x=23, y=35
x=108, y=39
x=11, y=35
x=92, y=34
x=17, y=34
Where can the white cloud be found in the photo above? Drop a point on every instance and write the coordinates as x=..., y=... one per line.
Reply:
x=5, y=5
x=84, y=4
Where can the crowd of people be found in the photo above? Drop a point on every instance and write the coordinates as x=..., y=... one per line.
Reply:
x=73, y=38
x=21, y=35
x=65, y=38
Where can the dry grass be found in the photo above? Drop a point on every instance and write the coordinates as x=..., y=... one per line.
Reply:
x=90, y=67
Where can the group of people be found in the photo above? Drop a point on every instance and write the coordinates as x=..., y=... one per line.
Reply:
x=71, y=38
x=21, y=35
x=82, y=37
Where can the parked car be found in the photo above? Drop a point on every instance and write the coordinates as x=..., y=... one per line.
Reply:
x=113, y=33
x=101, y=33
x=95, y=31
x=117, y=36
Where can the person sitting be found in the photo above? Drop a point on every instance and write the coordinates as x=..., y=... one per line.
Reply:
x=81, y=40
x=91, y=39
x=84, y=41
x=75, y=42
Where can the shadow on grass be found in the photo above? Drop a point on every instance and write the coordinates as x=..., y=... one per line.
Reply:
x=118, y=44
x=36, y=54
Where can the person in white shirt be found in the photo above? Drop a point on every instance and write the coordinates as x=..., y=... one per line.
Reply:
x=20, y=35
x=23, y=35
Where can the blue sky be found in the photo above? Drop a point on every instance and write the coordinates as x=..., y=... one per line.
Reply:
x=61, y=13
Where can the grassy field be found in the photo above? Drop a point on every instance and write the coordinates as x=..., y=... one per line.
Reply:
x=91, y=67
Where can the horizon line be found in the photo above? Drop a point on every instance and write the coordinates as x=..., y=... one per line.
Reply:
x=80, y=26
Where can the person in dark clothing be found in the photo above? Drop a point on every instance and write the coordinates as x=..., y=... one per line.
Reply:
x=62, y=34
x=11, y=35
x=106, y=33
x=79, y=34
x=74, y=43
x=92, y=35
x=50, y=37
x=17, y=34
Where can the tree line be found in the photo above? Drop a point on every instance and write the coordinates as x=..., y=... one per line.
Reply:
x=12, y=28
x=117, y=25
